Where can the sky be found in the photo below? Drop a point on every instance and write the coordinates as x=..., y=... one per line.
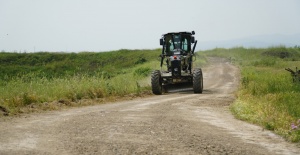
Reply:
x=104, y=25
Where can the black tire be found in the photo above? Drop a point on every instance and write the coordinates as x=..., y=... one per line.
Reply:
x=156, y=82
x=198, y=81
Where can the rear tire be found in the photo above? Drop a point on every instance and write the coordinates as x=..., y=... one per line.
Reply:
x=156, y=82
x=198, y=81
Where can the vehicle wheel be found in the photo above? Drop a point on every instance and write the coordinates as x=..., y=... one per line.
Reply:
x=198, y=81
x=156, y=82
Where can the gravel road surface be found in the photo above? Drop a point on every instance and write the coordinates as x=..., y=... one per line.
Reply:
x=178, y=122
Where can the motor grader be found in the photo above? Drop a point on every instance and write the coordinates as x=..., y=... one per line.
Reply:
x=176, y=63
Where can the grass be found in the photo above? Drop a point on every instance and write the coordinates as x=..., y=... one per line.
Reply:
x=48, y=81
x=56, y=65
x=18, y=93
x=267, y=96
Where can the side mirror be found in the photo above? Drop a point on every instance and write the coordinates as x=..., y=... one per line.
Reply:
x=193, y=32
x=192, y=39
x=161, y=41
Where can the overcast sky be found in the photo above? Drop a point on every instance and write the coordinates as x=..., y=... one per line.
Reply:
x=102, y=25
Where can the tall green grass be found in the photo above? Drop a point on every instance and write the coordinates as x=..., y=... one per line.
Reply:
x=53, y=65
x=267, y=96
x=100, y=76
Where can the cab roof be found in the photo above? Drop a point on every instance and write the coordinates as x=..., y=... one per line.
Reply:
x=183, y=32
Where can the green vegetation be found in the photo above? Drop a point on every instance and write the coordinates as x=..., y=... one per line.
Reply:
x=44, y=81
x=54, y=65
x=35, y=81
x=267, y=96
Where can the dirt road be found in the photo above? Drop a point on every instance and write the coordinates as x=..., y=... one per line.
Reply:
x=179, y=122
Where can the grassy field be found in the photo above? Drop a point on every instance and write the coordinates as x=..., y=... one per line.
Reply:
x=267, y=96
x=45, y=81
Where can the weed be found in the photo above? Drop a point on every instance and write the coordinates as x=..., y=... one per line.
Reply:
x=28, y=99
x=138, y=88
x=295, y=126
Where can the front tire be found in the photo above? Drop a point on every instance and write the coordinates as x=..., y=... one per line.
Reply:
x=156, y=82
x=198, y=81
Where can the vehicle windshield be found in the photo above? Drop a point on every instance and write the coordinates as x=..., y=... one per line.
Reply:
x=177, y=41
